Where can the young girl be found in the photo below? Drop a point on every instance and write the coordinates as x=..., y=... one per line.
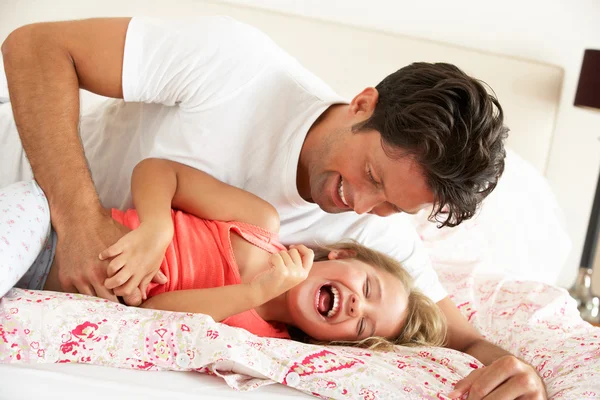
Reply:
x=217, y=247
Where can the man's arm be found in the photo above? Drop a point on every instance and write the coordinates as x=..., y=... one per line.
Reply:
x=504, y=377
x=45, y=65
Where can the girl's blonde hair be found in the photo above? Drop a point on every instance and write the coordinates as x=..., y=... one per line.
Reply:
x=425, y=324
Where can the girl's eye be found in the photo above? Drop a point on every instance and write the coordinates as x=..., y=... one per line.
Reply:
x=361, y=327
x=367, y=287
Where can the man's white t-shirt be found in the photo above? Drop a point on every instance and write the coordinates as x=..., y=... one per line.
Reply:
x=221, y=96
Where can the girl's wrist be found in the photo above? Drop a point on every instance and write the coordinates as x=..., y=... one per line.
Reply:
x=163, y=230
x=256, y=294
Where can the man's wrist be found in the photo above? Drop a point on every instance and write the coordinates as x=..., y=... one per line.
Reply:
x=72, y=203
x=64, y=218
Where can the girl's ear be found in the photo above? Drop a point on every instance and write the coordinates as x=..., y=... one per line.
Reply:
x=341, y=254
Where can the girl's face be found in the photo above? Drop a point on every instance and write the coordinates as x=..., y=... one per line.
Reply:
x=347, y=299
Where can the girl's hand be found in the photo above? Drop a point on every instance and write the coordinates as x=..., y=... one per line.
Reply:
x=136, y=260
x=287, y=269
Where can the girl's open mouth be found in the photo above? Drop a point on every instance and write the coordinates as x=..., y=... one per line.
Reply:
x=328, y=301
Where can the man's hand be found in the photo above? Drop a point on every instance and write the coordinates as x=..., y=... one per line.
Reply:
x=79, y=243
x=506, y=378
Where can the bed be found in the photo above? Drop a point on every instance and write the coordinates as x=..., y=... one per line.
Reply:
x=499, y=267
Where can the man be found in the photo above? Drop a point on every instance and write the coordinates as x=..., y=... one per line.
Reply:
x=220, y=96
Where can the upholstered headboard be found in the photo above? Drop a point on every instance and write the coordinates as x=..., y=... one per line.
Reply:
x=350, y=58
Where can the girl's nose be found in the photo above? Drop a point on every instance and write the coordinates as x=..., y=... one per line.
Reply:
x=354, y=305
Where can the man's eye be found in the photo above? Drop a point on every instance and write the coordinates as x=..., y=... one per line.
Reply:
x=370, y=174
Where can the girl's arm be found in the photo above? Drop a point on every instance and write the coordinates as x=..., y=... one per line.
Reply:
x=158, y=185
x=287, y=269
x=218, y=302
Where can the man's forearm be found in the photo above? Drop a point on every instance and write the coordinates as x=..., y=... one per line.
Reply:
x=44, y=93
x=485, y=351
x=463, y=337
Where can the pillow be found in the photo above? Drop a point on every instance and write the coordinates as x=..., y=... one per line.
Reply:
x=519, y=230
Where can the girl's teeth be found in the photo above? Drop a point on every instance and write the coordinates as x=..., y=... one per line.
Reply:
x=336, y=303
x=341, y=192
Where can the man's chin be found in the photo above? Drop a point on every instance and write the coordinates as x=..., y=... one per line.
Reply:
x=326, y=204
x=329, y=209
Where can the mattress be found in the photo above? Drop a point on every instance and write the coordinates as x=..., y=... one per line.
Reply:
x=64, y=381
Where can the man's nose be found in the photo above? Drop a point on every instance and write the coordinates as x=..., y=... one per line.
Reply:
x=366, y=202
x=354, y=306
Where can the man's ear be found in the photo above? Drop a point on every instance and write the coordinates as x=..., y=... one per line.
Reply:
x=363, y=104
x=341, y=254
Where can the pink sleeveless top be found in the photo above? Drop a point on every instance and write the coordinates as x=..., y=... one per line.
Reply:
x=201, y=256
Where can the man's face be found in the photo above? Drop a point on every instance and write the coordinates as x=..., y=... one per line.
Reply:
x=342, y=170
x=353, y=173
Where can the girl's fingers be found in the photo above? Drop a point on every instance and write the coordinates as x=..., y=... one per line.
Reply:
x=287, y=260
x=118, y=279
x=296, y=257
x=129, y=287
x=111, y=252
x=277, y=261
x=144, y=285
x=115, y=265
x=307, y=255
x=159, y=278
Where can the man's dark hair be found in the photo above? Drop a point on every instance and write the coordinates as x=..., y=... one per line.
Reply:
x=452, y=127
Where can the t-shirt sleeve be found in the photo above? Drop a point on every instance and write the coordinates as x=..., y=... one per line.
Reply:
x=419, y=265
x=190, y=63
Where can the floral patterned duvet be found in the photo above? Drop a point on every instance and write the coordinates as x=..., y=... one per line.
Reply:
x=537, y=322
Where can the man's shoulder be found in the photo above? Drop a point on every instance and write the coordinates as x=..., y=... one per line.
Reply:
x=367, y=222
x=394, y=235
x=199, y=31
